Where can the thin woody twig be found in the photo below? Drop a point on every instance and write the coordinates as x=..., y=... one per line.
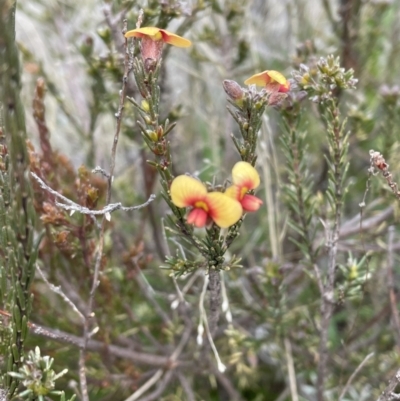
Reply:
x=113, y=23
x=354, y=374
x=187, y=388
x=153, y=380
x=388, y=394
x=319, y=279
x=163, y=383
x=99, y=346
x=73, y=207
x=233, y=394
x=157, y=376
x=337, y=153
x=148, y=292
x=60, y=292
x=204, y=324
x=291, y=371
x=353, y=226
x=214, y=286
x=96, y=273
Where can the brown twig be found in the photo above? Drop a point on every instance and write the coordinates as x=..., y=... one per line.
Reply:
x=353, y=226
x=329, y=14
x=388, y=394
x=354, y=374
x=148, y=292
x=349, y=13
x=187, y=388
x=162, y=384
x=214, y=286
x=158, y=375
x=89, y=312
x=223, y=380
x=98, y=346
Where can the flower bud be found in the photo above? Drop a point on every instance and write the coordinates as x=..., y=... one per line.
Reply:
x=145, y=105
x=276, y=98
x=233, y=90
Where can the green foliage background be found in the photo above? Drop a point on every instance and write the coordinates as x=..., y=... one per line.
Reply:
x=274, y=297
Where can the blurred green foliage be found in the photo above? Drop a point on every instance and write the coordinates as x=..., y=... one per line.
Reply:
x=269, y=331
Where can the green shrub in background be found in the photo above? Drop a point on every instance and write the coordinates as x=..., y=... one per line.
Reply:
x=138, y=250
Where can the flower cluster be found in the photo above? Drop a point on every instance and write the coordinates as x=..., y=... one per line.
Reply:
x=327, y=77
x=207, y=207
x=224, y=209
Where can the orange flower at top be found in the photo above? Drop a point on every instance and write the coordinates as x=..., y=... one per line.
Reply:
x=271, y=79
x=152, y=43
x=157, y=34
x=245, y=178
x=216, y=206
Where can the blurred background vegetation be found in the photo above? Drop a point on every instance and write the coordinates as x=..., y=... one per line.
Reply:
x=271, y=346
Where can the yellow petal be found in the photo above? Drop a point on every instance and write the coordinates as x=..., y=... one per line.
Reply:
x=233, y=192
x=245, y=175
x=225, y=211
x=159, y=34
x=185, y=191
x=175, y=40
x=266, y=77
x=151, y=31
x=277, y=77
x=260, y=79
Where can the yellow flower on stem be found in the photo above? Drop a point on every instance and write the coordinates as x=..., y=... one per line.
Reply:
x=153, y=40
x=272, y=80
x=244, y=178
x=206, y=206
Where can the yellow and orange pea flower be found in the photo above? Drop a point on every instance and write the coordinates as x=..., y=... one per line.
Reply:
x=244, y=178
x=224, y=209
x=157, y=34
x=206, y=206
x=272, y=80
x=153, y=40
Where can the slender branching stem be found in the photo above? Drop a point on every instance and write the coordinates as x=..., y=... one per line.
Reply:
x=95, y=282
x=337, y=152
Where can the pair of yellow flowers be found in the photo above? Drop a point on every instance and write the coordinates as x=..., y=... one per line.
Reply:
x=223, y=208
x=157, y=35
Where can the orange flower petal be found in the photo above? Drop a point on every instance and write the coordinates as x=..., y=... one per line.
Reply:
x=159, y=34
x=150, y=31
x=251, y=203
x=269, y=77
x=175, y=40
x=198, y=217
x=224, y=210
x=260, y=79
x=245, y=175
x=185, y=191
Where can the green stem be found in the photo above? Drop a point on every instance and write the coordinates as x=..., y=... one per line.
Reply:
x=17, y=259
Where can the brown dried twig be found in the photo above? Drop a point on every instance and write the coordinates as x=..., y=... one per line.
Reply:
x=388, y=394
x=95, y=282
